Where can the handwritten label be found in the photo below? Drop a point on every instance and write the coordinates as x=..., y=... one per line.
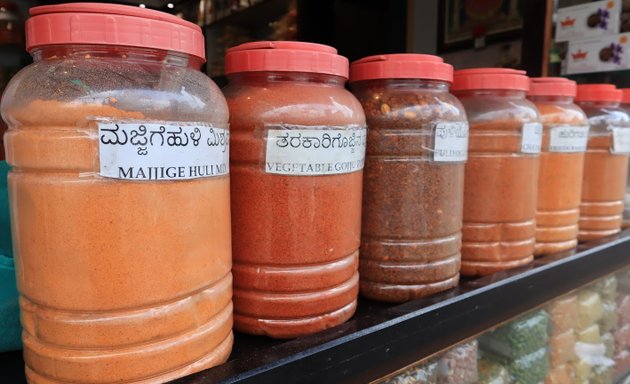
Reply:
x=451, y=142
x=169, y=151
x=531, y=139
x=568, y=138
x=301, y=151
x=620, y=140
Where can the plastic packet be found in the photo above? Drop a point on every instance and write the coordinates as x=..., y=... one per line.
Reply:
x=590, y=308
x=425, y=373
x=491, y=372
x=608, y=339
x=623, y=309
x=601, y=375
x=563, y=314
x=561, y=374
x=582, y=370
x=519, y=337
x=589, y=334
x=529, y=369
x=459, y=365
x=592, y=362
x=607, y=288
x=622, y=364
x=608, y=322
x=622, y=337
x=562, y=348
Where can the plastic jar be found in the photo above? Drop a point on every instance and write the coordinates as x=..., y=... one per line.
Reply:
x=565, y=134
x=413, y=188
x=605, y=162
x=120, y=198
x=501, y=175
x=625, y=104
x=298, y=147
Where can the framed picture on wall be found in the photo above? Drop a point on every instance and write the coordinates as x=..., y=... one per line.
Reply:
x=469, y=23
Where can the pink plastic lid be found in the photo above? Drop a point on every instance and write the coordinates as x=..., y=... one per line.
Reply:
x=401, y=66
x=285, y=56
x=625, y=95
x=490, y=78
x=110, y=24
x=598, y=92
x=551, y=86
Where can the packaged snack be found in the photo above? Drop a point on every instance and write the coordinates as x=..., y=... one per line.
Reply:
x=589, y=335
x=562, y=374
x=529, y=369
x=519, y=337
x=608, y=322
x=459, y=365
x=582, y=370
x=563, y=314
x=607, y=288
x=590, y=308
x=622, y=364
x=602, y=374
x=562, y=348
x=491, y=372
x=622, y=337
x=623, y=309
x=608, y=339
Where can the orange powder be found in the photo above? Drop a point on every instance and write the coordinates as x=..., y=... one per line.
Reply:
x=499, y=199
x=296, y=238
x=559, y=183
x=121, y=281
x=603, y=189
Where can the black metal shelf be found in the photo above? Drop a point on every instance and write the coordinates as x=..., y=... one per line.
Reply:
x=383, y=338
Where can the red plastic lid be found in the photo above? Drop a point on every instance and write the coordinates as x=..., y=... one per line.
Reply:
x=401, y=66
x=551, y=86
x=110, y=24
x=490, y=78
x=598, y=92
x=625, y=95
x=285, y=56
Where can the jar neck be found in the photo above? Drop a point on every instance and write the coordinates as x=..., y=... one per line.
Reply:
x=436, y=85
x=552, y=99
x=263, y=77
x=129, y=54
x=506, y=93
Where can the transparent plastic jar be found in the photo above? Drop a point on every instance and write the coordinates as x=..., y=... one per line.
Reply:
x=565, y=134
x=605, y=162
x=625, y=104
x=413, y=188
x=298, y=147
x=501, y=177
x=122, y=250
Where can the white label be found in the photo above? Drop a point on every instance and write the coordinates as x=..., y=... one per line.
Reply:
x=169, y=151
x=620, y=140
x=531, y=140
x=451, y=142
x=568, y=138
x=315, y=150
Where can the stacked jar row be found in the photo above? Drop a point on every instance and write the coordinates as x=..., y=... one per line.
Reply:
x=126, y=220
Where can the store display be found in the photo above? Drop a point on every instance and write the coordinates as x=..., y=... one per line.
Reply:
x=565, y=134
x=605, y=163
x=594, y=19
x=122, y=254
x=413, y=178
x=501, y=174
x=459, y=365
x=298, y=145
